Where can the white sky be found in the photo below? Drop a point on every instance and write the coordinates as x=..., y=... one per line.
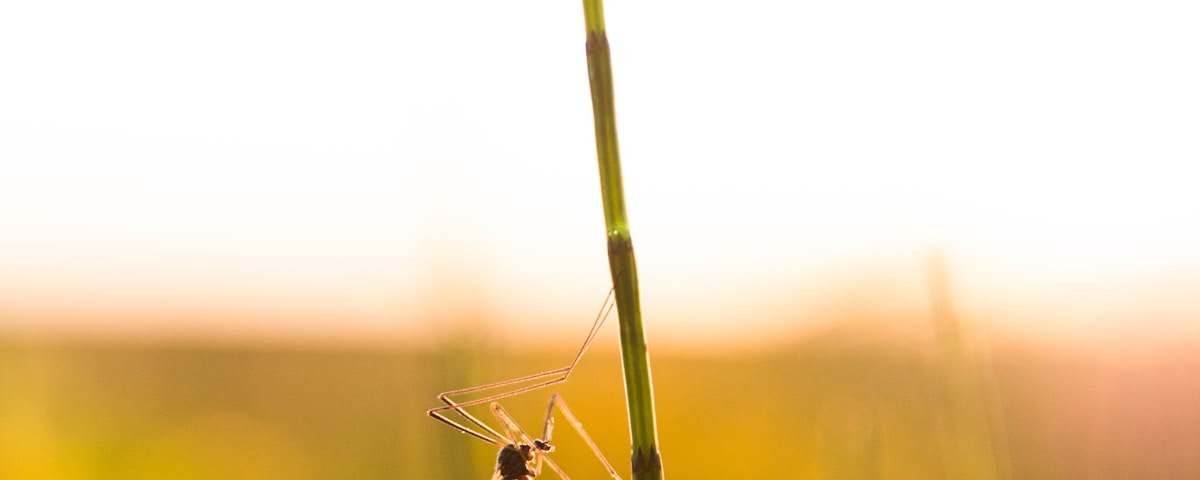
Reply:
x=350, y=159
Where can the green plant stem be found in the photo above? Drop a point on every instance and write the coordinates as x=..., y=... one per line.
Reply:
x=639, y=394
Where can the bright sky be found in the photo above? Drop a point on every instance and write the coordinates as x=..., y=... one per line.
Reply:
x=370, y=169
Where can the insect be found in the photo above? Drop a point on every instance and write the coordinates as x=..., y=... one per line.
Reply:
x=522, y=457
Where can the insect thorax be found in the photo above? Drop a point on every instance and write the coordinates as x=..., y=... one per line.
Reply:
x=513, y=462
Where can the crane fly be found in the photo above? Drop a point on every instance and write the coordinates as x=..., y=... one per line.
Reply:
x=522, y=457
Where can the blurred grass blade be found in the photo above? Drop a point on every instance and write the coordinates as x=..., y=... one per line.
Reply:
x=647, y=463
x=974, y=433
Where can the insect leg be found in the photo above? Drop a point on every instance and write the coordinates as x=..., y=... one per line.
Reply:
x=557, y=401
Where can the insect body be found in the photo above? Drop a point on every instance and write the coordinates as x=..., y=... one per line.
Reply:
x=515, y=462
x=522, y=457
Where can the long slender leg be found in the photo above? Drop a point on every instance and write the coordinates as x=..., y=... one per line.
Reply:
x=548, y=428
x=510, y=426
x=553, y=466
x=562, y=374
x=557, y=401
x=496, y=439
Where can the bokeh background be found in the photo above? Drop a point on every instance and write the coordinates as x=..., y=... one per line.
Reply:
x=928, y=239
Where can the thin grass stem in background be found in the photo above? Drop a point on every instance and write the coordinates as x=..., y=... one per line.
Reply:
x=973, y=434
x=635, y=361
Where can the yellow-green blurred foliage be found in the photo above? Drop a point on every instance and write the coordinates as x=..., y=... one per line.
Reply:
x=832, y=406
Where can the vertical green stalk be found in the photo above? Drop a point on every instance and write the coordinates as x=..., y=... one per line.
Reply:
x=639, y=394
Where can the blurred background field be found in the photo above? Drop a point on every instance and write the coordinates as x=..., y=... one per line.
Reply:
x=836, y=404
x=255, y=238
